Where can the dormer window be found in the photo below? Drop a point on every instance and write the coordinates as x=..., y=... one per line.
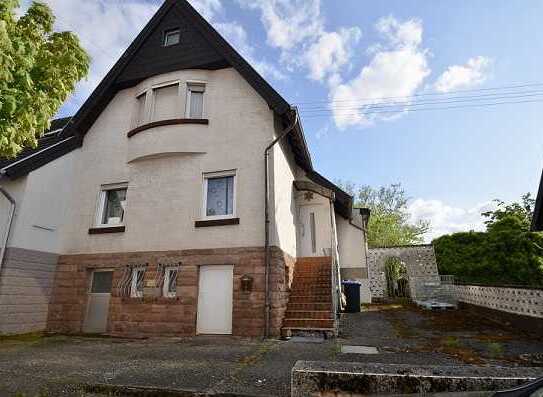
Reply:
x=195, y=101
x=172, y=37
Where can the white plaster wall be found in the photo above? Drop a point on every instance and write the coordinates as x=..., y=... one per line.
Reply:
x=321, y=207
x=42, y=200
x=164, y=176
x=352, y=252
x=283, y=204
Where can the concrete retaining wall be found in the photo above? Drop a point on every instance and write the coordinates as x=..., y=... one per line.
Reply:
x=26, y=282
x=311, y=378
x=522, y=301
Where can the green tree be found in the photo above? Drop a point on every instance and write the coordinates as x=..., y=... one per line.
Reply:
x=389, y=221
x=519, y=213
x=39, y=68
x=507, y=253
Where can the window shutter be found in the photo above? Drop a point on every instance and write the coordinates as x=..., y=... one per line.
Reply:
x=166, y=103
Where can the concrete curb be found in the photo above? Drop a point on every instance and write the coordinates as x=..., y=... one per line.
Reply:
x=311, y=378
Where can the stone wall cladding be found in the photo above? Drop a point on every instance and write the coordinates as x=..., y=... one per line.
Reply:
x=152, y=315
x=26, y=282
x=420, y=261
x=522, y=301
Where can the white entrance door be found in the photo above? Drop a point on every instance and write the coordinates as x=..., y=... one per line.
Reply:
x=308, y=231
x=215, y=300
x=98, y=302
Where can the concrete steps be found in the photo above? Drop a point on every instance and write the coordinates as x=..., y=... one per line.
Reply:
x=309, y=309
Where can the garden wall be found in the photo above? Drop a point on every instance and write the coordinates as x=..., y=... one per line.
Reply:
x=523, y=301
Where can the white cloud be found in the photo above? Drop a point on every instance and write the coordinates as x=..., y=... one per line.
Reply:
x=397, y=69
x=236, y=35
x=207, y=8
x=446, y=219
x=288, y=22
x=331, y=52
x=296, y=29
x=473, y=73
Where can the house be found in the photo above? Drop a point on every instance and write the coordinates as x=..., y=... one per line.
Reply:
x=537, y=221
x=180, y=199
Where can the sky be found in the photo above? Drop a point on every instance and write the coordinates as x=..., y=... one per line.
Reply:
x=396, y=91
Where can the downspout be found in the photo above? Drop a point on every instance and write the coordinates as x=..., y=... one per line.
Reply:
x=267, y=253
x=9, y=223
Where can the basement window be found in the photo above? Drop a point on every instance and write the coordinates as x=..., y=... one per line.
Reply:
x=172, y=37
x=169, y=289
x=138, y=276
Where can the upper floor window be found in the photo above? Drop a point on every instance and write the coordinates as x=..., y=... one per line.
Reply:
x=166, y=102
x=141, y=111
x=111, y=205
x=172, y=37
x=195, y=101
x=219, y=195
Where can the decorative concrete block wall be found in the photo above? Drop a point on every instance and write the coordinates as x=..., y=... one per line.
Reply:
x=523, y=301
x=420, y=262
x=26, y=282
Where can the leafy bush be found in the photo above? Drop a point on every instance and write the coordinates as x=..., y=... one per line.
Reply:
x=506, y=254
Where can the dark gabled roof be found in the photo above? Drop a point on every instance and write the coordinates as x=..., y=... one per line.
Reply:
x=32, y=158
x=204, y=48
x=537, y=221
x=343, y=202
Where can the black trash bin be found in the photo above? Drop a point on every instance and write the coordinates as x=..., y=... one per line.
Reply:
x=352, y=294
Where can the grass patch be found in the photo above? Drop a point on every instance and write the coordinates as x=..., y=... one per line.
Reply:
x=451, y=342
x=495, y=349
x=32, y=337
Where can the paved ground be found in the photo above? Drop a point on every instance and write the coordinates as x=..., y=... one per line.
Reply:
x=249, y=366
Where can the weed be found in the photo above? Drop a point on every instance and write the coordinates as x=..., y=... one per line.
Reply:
x=452, y=342
x=495, y=349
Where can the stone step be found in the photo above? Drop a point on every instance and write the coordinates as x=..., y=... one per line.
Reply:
x=310, y=299
x=310, y=290
x=300, y=314
x=313, y=260
x=308, y=323
x=309, y=306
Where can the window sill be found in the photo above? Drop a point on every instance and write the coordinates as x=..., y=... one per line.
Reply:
x=217, y=222
x=107, y=229
x=165, y=122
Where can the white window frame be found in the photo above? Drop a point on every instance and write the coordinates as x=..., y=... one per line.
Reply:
x=203, y=86
x=102, y=196
x=134, y=293
x=145, y=118
x=165, y=290
x=168, y=32
x=219, y=174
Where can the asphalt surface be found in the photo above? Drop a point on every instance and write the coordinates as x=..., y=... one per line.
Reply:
x=243, y=366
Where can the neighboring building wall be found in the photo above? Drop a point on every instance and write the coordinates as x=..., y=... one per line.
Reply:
x=164, y=165
x=522, y=301
x=27, y=273
x=26, y=282
x=352, y=255
x=420, y=261
x=152, y=315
